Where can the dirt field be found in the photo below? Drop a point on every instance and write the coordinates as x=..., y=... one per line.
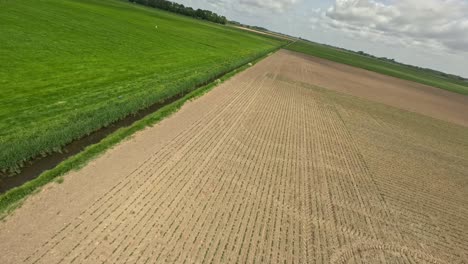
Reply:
x=267, y=168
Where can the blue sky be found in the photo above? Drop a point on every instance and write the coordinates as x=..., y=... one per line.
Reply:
x=428, y=33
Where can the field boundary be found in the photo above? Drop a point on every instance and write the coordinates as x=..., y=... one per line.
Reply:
x=46, y=161
x=47, y=108
x=13, y=198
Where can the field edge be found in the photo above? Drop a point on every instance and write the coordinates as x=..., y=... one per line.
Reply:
x=118, y=94
x=13, y=199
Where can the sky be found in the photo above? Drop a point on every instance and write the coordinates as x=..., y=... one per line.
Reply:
x=427, y=33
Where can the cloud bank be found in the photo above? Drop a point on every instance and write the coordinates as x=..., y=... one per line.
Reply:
x=436, y=24
x=276, y=6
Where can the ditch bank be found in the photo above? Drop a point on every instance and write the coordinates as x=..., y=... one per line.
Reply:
x=41, y=164
x=38, y=165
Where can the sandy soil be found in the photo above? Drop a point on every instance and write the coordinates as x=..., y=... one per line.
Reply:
x=266, y=168
x=396, y=92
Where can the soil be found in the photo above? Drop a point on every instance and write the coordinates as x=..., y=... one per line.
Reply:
x=411, y=96
x=268, y=167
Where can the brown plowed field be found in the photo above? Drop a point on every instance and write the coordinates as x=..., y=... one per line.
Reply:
x=266, y=168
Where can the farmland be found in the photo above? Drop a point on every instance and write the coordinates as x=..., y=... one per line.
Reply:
x=68, y=68
x=269, y=167
x=378, y=65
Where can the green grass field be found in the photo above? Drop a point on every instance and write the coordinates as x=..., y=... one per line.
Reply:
x=68, y=68
x=380, y=66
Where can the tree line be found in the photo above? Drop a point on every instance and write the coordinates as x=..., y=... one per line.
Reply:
x=184, y=10
x=249, y=26
x=443, y=74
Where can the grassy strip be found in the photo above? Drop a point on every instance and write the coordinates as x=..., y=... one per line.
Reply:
x=14, y=197
x=70, y=67
x=14, y=152
x=380, y=66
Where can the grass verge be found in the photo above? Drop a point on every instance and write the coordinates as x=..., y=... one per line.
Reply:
x=13, y=198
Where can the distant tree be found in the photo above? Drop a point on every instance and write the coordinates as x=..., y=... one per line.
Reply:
x=183, y=10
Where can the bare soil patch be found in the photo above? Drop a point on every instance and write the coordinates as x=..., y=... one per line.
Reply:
x=392, y=91
x=266, y=168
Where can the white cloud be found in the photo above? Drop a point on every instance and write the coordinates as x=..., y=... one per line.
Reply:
x=437, y=24
x=216, y=3
x=251, y=6
x=273, y=5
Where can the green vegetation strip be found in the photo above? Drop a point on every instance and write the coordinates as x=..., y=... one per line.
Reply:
x=397, y=70
x=14, y=197
x=71, y=67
